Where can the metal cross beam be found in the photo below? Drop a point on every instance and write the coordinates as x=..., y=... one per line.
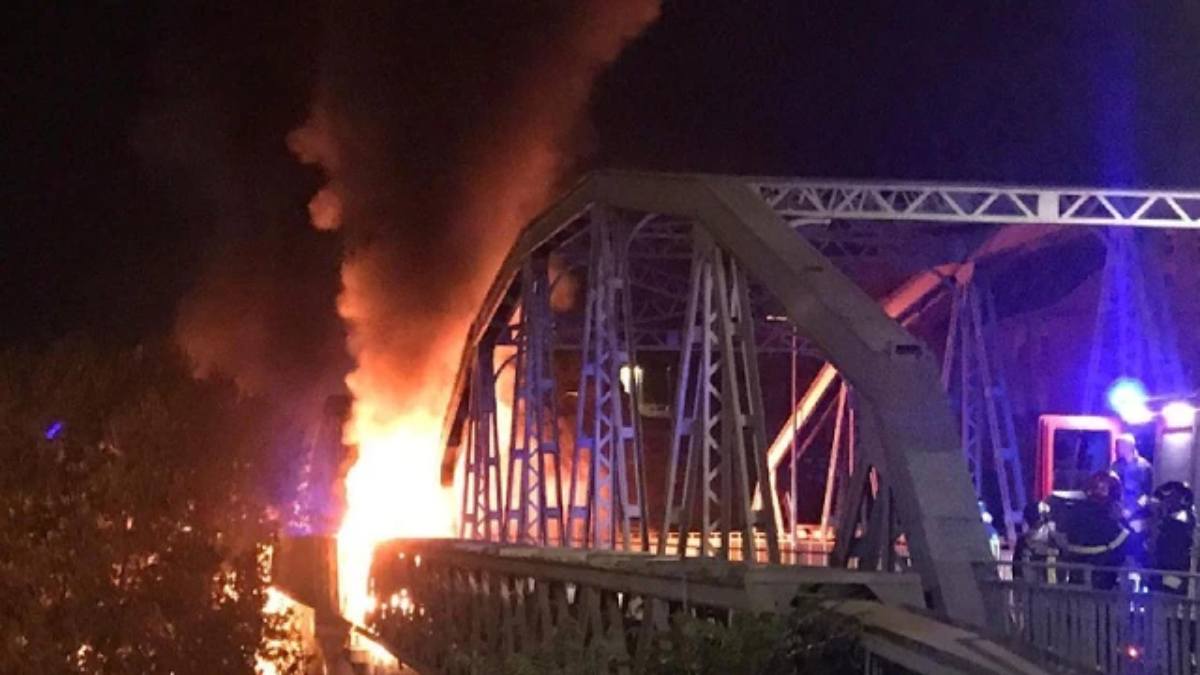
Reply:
x=948, y=203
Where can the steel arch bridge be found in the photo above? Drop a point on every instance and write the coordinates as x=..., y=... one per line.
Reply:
x=703, y=277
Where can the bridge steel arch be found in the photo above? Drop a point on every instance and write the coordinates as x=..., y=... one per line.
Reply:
x=902, y=408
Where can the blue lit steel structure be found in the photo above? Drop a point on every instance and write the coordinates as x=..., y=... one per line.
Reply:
x=1134, y=335
x=972, y=372
x=775, y=247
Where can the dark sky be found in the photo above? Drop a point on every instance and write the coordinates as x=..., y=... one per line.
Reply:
x=141, y=141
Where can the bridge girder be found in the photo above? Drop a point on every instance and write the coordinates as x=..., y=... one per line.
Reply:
x=895, y=378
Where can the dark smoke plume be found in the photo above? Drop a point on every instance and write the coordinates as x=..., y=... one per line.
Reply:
x=222, y=89
x=441, y=131
x=220, y=98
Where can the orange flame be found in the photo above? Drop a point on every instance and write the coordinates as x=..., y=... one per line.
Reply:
x=405, y=326
x=391, y=491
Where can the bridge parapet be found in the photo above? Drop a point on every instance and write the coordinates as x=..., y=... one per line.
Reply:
x=462, y=607
x=1102, y=619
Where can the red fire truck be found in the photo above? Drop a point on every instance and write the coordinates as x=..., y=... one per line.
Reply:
x=1072, y=447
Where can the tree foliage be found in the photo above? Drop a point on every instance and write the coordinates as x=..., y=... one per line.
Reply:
x=131, y=527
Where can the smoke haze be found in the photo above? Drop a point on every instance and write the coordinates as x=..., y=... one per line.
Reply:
x=440, y=134
x=221, y=88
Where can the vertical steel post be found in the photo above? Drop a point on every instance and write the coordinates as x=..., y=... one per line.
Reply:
x=750, y=417
x=718, y=412
x=533, y=499
x=985, y=410
x=678, y=506
x=840, y=422
x=609, y=512
x=481, y=499
x=793, y=505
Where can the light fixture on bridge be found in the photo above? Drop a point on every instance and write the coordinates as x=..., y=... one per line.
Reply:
x=625, y=374
x=1179, y=416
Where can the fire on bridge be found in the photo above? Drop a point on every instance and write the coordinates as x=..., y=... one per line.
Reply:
x=645, y=333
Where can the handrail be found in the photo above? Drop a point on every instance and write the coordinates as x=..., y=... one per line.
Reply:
x=467, y=599
x=1051, y=574
x=1068, y=613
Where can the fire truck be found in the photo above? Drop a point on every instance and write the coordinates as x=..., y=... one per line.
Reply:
x=1071, y=448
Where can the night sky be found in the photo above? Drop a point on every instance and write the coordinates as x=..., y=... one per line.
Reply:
x=141, y=143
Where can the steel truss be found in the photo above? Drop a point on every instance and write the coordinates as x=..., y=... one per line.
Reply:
x=868, y=523
x=607, y=489
x=481, y=515
x=533, y=495
x=906, y=305
x=841, y=457
x=904, y=440
x=1134, y=333
x=718, y=426
x=820, y=200
x=984, y=408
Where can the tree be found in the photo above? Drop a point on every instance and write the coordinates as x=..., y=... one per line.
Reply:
x=131, y=524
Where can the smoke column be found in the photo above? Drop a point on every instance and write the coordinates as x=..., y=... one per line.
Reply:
x=256, y=287
x=440, y=133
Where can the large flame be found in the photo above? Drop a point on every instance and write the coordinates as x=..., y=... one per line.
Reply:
x=392, y=489
x=390, y=492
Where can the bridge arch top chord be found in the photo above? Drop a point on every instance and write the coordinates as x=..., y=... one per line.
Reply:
x=804, y=200
x=893, y=374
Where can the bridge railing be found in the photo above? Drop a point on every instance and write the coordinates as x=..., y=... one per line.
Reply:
x=1114, y=620
x=463, y=607
x=812, y=550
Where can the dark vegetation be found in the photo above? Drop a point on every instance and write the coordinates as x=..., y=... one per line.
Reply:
x=809, y=639
x=132, y=530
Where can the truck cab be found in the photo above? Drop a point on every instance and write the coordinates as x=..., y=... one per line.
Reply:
x=1070, y=449
x=1073, y=447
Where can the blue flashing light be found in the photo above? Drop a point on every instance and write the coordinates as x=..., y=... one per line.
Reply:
x=54, y=430
x=1127, y=397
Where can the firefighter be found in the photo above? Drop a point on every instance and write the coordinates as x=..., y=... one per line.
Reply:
x=1171, y=542
x=1135, y=472
x=990, y=527
x=1036, y=545
x=1094, y=533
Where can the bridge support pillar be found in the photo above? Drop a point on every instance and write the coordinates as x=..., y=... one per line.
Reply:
x=607, y=490
x=718, y=436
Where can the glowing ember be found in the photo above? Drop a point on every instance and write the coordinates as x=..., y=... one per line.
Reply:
x=277, y=654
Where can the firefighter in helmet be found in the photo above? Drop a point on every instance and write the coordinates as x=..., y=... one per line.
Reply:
x=1036, y=545
x=1095, y=533
x=1171, y=540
